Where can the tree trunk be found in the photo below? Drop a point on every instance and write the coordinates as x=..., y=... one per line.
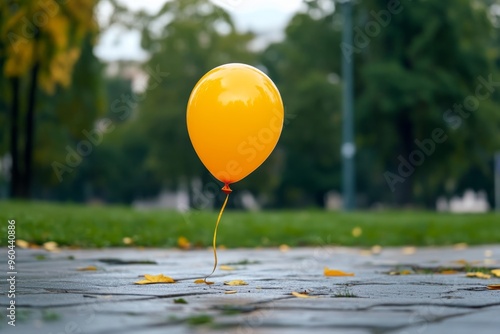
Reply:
x=30, y=134
x=15, y=173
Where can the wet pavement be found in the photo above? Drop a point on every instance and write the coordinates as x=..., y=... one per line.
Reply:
x=393, y=290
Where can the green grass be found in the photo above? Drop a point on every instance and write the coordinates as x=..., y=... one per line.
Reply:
x=49, y=315
x=344, y=292
x=94, y=226
x=201, y=319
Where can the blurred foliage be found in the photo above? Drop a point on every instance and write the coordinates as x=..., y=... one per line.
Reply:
x=409, y=79
x=186, y=39
x=412, y=66
x=63, y=120
x=49, y=33
x=41, y=41
x=306, y=71
x=197, y=37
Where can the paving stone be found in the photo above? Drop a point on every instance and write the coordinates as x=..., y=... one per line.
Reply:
x=478, y=321
x=52, y=296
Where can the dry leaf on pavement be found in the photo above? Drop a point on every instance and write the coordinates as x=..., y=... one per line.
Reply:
x=410, y=250
x=183, y=243
x=225, y=267
x=495, y=272
x=284, y=248
x=235, y=282
x=335, y=272
x=51, y=246
x=22, y=243
x=155, y=279
x=302, y=295
x=448, y=272
x=376, y=249
x=493, y=287
x=401, y=272
x=87, y=268
x=478, y=275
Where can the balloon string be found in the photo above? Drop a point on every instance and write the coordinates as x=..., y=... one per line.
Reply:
x=215, y=238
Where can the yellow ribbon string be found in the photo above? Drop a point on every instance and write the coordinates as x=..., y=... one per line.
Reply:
x=215, y=239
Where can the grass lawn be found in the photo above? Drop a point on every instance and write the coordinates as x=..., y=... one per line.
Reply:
x=94, y=226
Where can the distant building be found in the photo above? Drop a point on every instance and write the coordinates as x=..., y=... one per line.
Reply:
x=470, y=202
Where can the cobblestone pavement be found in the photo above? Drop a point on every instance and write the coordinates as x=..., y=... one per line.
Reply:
x=53, y=296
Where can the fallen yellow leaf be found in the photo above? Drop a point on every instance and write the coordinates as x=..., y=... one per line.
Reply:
x=478, y=275
x=183, y=243
x=87, y=268
x=51, y=246
x=401, y=272
x=485, y=276
x=494, y=287
x=302, y=295
x=22, y=243
x=489, y=261
x=376, y=249
x=460, y=246
x=127, y=240
x=448, y=272
x=284, y=248
x=230, y=292
x=235, y=282
x=409, y=250
x=224, y=267
x=335, y=272
x=155, y=279
x=356, y=232
x=201, y=281
x=496, y=272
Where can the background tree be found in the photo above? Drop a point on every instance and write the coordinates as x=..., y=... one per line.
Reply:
x=420, y=63
x=425, y=61
x=63, y=119
x=409, y=75
x=198, y=36
x=306, y=72
x=41, y=43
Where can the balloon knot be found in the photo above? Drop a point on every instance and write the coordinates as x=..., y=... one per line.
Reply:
x=226, y=189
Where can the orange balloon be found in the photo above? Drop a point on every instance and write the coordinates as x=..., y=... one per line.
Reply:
x=234, y=120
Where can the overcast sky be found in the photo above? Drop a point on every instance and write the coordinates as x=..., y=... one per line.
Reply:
x=264, y=17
